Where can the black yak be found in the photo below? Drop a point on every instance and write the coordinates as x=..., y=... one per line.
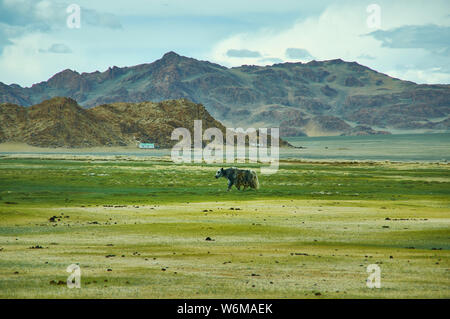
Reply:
x=239, y=177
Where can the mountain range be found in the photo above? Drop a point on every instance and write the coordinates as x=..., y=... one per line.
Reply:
x=331, y=97
x=61, y=122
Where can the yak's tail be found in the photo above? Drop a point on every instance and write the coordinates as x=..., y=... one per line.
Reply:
x=254, y=181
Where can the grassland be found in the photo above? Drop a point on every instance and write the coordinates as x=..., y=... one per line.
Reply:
x=138, y=229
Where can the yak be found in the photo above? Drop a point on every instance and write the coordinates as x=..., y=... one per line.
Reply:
x=239, y=177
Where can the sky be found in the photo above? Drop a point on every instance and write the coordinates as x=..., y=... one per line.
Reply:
x=409, y=40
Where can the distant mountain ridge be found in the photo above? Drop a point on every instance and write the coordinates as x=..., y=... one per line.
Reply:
x=61, y=122
x=316, y=98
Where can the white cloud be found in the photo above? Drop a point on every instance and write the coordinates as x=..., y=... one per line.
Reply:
x=424, y=76
x=24, y=63
x=243, y=53
x=16, y=61
x=297, y=53
x=334, y=34
x=341, y=32
x=196, y=28
x=59, y=48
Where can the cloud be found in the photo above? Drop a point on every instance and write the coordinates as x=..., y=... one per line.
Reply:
x=333, y=34
x=57, y=48
x=21, y=17
x=430, y=76
x=270, y=60
x=341, y=31
x=430, y=37
x=243, y=53
x=4, y=39
x=112, y=33
x=100, y=19
x=295, y=53
x=366, y=57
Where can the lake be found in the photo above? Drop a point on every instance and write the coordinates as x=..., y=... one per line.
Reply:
x=405, y=147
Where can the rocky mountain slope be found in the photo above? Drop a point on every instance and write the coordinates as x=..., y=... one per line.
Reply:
x=316, y=98
x=61, y=122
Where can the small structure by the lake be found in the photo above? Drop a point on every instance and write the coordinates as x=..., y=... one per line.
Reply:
x=146, y=145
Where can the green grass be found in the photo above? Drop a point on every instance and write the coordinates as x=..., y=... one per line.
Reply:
x=312, y=228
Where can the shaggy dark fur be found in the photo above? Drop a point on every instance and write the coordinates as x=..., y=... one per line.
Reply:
x=239, y=177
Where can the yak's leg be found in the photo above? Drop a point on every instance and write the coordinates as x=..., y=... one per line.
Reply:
x=230, y=184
